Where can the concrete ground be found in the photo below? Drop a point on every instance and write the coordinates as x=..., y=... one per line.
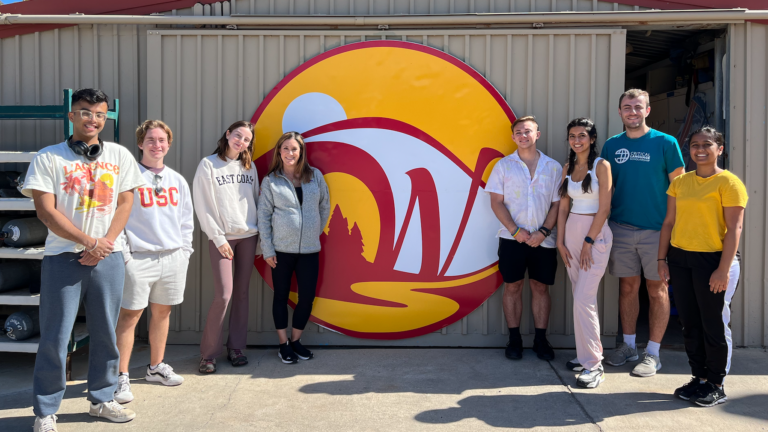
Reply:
x=401, y=389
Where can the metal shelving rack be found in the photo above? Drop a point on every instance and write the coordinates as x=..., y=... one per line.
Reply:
x=22, y=297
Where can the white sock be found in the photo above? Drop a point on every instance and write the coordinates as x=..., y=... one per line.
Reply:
x=653, y=348
x=154, y=367
x=630, y=340
x=124, y=373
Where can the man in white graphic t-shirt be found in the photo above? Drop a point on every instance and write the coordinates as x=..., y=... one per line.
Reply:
x=83, y=192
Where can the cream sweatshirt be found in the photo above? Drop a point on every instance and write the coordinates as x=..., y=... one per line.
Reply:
x=225, y=196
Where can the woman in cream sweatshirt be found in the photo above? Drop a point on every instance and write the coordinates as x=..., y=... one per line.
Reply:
x=225, y=193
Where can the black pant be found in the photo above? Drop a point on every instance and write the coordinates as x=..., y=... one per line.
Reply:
x=307, y=268
x=705, y=322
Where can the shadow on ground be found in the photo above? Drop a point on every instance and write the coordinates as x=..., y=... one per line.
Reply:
x=528, y=411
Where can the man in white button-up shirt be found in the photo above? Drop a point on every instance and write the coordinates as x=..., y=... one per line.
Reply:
x=523, y=188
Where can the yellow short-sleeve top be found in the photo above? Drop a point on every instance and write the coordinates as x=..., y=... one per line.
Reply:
x=699, y=220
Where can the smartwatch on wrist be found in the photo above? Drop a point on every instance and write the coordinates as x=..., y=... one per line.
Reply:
x=589, y=240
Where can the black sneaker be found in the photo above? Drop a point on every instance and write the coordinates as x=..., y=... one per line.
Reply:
x=711, y=395
x=514, y=350
x=301, y=351
x=574, y=365
x=689, y=390
x=543, y=350
x=286, y=354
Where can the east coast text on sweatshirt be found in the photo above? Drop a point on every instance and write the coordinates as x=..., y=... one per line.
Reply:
x=225, y=196
x=161, y=221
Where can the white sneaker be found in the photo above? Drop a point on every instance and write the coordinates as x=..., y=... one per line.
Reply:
x=123, y=393
x=163, y=373
x=112, y=411
x=46, y=424
x=591, y=379
x=648, y=367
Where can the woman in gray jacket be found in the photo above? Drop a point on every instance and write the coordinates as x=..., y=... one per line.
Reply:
x=294, y=207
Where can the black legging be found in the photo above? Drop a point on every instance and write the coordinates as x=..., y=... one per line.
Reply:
x=306, y=267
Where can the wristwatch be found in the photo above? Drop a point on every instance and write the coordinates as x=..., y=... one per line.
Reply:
x=589, y=240
x=546, y=231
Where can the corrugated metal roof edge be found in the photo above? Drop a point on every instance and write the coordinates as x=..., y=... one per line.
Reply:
x=146, y=7
x=89, y=7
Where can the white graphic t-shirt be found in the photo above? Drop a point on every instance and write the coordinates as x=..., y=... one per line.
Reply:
x=86, y=191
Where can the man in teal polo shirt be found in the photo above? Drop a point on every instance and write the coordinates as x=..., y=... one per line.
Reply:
x=643, y=162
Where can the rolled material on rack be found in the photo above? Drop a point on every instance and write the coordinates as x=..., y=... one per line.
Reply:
x=9, y=179
x=19, y=274
x=20, y=180
x=24, y=232
x=23, y=325
x=35, y=271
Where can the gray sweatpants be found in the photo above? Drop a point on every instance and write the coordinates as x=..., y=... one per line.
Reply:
x=65, y=282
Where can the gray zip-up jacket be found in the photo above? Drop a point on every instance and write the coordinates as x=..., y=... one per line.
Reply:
x=286, y=226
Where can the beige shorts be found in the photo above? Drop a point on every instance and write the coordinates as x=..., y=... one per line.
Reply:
x=156, y=277
x=634, y=249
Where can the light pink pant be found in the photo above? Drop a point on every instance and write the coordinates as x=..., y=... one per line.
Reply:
x=586, y=322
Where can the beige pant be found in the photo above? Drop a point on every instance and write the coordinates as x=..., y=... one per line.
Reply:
x=586, y=321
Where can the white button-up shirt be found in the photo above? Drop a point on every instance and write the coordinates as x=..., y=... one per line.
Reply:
x=527, y=200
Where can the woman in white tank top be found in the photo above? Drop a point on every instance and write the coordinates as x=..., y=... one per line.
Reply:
x=584, y=242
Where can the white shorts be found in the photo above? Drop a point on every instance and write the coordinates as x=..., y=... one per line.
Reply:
x=156, y=277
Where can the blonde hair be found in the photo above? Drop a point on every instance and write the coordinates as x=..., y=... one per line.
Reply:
x=634, y=93
x=143, y=129
x=529, y=118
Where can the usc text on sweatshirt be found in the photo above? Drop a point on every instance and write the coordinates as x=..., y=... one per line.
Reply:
x=160, y=221
x=225, y=196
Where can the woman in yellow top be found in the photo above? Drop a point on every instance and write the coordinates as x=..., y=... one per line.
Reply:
x=697, y=256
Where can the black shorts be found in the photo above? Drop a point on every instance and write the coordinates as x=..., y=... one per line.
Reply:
x=515, y=258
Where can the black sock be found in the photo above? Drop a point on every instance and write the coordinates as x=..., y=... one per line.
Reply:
x=541, y=334
x=514, y=334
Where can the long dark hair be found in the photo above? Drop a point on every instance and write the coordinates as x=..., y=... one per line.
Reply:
x=223, y=144
x=302, y=166
x=586, y=184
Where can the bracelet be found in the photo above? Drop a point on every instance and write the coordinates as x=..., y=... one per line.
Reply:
x=546, y=231
x=94, y=246
x=517, y=231
x=661, y=259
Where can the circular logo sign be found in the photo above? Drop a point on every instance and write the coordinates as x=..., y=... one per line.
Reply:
x=405, y=136
x=622, y=155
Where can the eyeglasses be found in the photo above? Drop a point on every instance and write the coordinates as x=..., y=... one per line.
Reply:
x=156, y=183
x=88, y=115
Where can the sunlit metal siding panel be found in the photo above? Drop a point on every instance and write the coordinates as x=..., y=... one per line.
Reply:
x=747, y=136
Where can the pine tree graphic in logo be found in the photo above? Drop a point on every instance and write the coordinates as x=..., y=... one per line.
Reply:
x=622, y=155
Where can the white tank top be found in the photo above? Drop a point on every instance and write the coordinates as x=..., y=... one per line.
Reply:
x=585, y=203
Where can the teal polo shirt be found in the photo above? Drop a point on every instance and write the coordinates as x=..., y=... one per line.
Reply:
x=640, y=168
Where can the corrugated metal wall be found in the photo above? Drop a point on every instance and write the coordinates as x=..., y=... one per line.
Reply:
x=748, y=127
x=34, y=69
x=202, y=81
x=389, y=7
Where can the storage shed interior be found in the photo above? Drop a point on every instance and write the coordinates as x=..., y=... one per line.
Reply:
x=678, y=69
